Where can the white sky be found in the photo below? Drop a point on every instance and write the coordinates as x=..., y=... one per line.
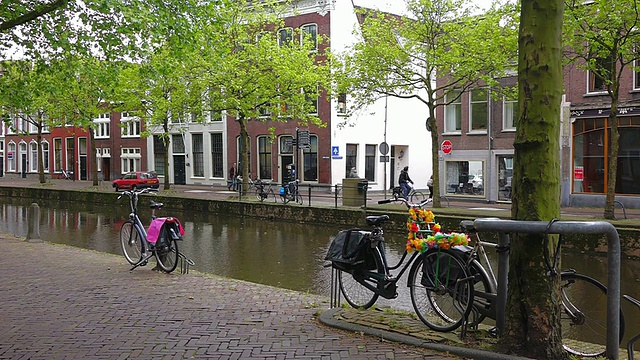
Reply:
x=397, y=6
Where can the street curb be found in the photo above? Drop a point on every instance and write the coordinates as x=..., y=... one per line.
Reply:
x=327, y=318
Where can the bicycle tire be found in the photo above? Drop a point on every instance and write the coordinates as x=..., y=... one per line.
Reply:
x=271, y=193
x=299, y=199
x=130, y=243
x=432, y=290
x=166, y=251
x=416, y=197
x=584, y=334
x=483, y=290
x=356, y=294
x=259, y=195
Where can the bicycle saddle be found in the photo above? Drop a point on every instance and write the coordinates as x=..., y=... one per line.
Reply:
x=376, y=220
x=155, y=205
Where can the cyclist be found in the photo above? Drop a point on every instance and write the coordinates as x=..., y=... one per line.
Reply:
x=404, y=181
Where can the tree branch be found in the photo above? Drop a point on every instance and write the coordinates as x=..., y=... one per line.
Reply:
x=32, y=15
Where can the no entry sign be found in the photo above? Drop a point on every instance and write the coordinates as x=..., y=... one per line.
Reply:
x=446, y=147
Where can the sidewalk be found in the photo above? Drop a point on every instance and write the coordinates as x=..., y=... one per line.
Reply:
x=61, y=302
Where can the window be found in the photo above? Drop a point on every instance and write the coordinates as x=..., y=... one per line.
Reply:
x=464, y=177
x=636, y=75
x=598, y=80
x=285, y=36
x=99, y=159
x=453, y=112
x=197, y=149
x=130, y=159
x=130, y=125
x=57, y=155
x=310, y=34
x=70, y=152
x=11, y=157
x=45, y=156
x=505, y=177
x=33, y=156
x=310, y=160
x=217, y=162
x=342, y=103
x=178, y=144
x=370, y=162
x=311, y=97
x=351, y=159
x=478, y=110
x=509, y=114
x=102, y=124
x=264, y=157
x=159, y=155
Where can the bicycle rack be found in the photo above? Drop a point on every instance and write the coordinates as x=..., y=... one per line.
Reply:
x=185, y=263
x=335, y=289
x=506, y=227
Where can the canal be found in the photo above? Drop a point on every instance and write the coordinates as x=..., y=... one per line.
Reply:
x=277, y=253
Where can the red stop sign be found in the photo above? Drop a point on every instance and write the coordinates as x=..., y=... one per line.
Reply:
x=446, y=147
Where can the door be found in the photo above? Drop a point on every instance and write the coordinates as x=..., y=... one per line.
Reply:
x=83, y=167
x=1, y=166
x=24, y=165
x=284, y=172
x=106, y=168
x=179, y=170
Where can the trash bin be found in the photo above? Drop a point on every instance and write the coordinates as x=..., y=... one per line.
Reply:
x=353, y=190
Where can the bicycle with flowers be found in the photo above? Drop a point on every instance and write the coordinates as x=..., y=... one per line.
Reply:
x=437, y=293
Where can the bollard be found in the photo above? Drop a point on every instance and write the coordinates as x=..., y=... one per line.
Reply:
x=33, y=220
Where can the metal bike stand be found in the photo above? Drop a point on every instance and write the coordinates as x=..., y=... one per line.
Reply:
x=335, y=291
x=185, y=263
x=465, y=319
x=506, y=227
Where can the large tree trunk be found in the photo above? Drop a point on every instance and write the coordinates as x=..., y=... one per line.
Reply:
x=435, y=148
x=614, y=147
x=244, y=155
x=93, y=159
x=533, y=311
x=166, y=140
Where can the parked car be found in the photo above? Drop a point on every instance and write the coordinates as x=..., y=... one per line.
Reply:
x=137, y=180
x=476, y=180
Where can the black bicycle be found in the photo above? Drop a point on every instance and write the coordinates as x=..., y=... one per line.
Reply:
x=364, y=274
x=264, y=190
x=291, y=192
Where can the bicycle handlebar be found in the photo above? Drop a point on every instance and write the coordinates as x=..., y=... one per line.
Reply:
x=137, y=192
x=406, y=202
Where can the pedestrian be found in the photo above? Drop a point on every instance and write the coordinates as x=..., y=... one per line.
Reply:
x=353, y=173
x=404, y=181
x=430, y=186
x=231, y=183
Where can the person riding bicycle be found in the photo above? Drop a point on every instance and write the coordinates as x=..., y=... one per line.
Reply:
x=404, y=181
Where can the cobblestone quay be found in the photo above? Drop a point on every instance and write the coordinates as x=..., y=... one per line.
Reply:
x=61, y=302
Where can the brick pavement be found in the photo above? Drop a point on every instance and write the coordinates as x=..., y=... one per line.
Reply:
x=61, y=302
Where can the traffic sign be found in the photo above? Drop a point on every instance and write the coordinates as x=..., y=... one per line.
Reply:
x=446, y=147
x=384, y=148
x=303, y=139
x=384, y=158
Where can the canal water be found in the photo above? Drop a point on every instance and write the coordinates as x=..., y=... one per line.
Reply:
x=278, y=253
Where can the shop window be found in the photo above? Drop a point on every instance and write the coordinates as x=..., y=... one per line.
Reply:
x=464, y=178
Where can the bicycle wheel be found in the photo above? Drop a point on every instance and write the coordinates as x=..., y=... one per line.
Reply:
x=438, y=296
x=584, y=315
x=166, y=251
x=298, y=198
x=416, y=197
x=356, y=294
x=272, y=194
x=260, y=195
x=130, y=243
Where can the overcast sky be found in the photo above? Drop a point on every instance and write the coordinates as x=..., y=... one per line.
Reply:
x=397, y=6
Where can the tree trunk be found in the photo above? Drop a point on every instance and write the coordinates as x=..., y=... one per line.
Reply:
x=435, y=148
x=244, y=156
x=614, y=147
x=93, y=159
x=533, y=304
x=40, y=159
x=166, y=140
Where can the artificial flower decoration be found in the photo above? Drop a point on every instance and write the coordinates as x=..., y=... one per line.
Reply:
x=425, y=235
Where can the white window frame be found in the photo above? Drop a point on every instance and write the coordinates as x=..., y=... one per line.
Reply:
x=479, y=102
x=47, y=158
x=303, y=32
x=102, y=126
x=99, y=159
x=33, y=156
x=454, y=106
x=636, y=75
x=11, y=163
x=508, y=114
x=132, y=126
x=130, y=159
x=290, y=35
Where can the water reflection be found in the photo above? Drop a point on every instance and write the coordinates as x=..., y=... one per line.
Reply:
x=282, y=254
